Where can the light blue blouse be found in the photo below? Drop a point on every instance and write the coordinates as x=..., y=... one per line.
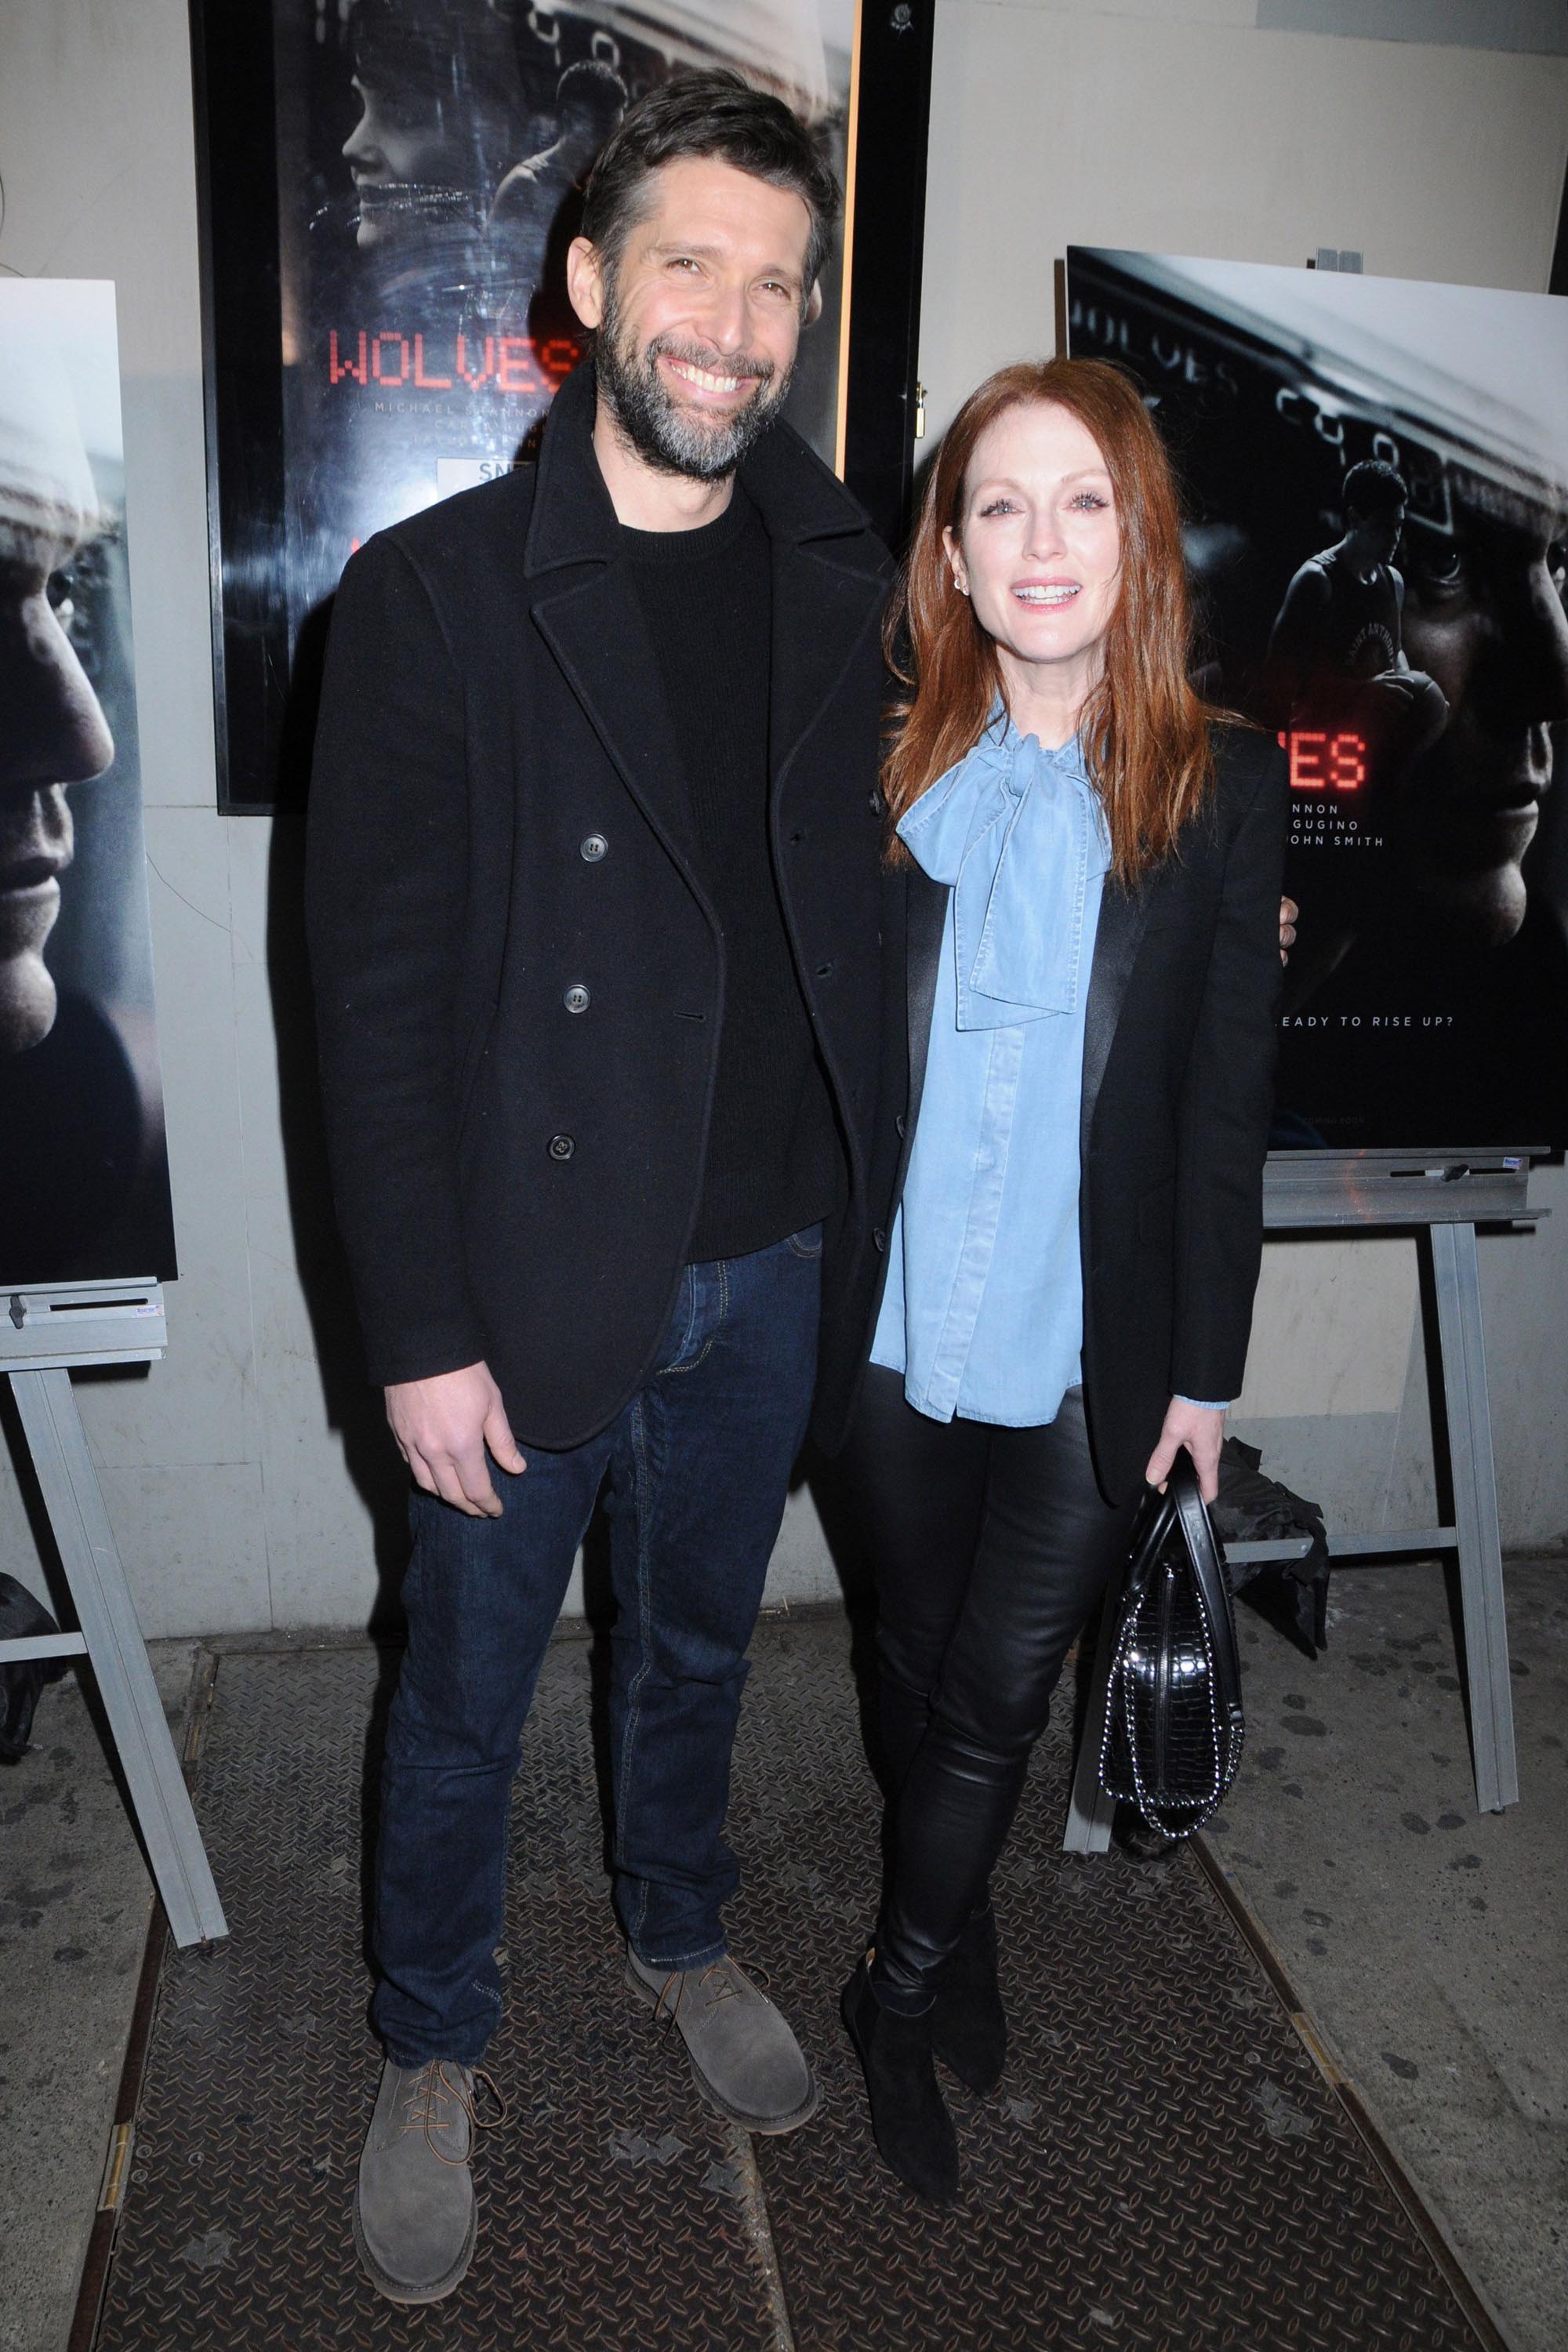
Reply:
x=984, y=1308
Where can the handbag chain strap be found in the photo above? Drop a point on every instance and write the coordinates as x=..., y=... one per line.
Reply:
x=1164, y=1517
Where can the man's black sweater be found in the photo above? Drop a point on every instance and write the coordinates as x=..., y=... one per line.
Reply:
x=773, y=1164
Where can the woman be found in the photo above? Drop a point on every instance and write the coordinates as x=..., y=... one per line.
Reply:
x=1093, y=874
x=441, y=110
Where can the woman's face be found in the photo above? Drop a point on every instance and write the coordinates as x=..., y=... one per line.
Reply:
x=402, y=141
x=1038, y=547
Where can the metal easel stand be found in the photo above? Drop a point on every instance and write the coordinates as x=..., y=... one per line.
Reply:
x=1446, y=1195
x=44, y=1334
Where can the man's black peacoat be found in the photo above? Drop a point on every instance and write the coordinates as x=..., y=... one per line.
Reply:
x=519, y=986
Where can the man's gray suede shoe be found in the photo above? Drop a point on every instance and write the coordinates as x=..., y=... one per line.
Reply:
x=747, y=2062
x=416, y=2215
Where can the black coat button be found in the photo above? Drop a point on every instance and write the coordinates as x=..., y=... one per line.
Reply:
x=593, y=848
x=576, y=999
x=825, y=971
x=881, y=1237
x=562, y=1147
x=899, y=1123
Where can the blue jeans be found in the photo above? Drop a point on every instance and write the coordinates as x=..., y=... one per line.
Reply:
x=697, y=1465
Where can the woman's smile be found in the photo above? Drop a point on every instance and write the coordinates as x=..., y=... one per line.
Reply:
x=1047, y=595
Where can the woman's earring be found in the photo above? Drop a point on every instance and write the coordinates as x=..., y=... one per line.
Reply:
x=959, y=584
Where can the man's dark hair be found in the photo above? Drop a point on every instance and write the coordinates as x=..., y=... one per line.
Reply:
x=711, y=113
x=593, y=86
x=1372, y=490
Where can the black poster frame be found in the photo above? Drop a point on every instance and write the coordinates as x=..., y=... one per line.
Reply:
x=259, y=728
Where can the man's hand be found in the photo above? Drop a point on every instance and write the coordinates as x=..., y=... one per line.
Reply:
x=1201, y=1430
x=1289, y=910
x=443, y=1426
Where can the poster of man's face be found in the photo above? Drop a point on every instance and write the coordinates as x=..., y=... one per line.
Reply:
x=1376, y=477
x=84, y=1192
x=431, y=160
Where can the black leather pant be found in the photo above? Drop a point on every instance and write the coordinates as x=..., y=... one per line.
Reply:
x=990, y=1546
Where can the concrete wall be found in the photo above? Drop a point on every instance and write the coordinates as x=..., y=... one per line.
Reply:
x=247, y=1474
x=1173, y=126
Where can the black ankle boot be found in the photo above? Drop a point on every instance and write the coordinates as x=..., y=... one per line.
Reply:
x=968, y=2022
x=912, y=2127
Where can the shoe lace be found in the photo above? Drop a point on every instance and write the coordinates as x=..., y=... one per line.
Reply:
x=425, y=2108
x=721, y=1980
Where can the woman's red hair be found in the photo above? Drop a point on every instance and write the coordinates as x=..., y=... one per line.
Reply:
x=1143, y=731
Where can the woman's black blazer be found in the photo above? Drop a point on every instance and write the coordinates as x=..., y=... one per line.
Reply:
x=1178, y=1074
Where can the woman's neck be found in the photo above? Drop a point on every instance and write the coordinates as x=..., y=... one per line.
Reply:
x=1046, y=702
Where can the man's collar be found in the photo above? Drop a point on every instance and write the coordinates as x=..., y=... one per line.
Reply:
x=573, y=519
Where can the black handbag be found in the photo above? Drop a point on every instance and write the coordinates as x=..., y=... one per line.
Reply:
x=1173, y=1717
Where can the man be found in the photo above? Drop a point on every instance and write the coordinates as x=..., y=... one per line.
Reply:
x=1460, y=936
x=590, y=100
x=593, y=901
x=1336, y=654
x=1486, y=613
x=55, y=732
x=83, y=1186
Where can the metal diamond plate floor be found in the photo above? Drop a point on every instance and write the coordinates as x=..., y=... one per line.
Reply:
x=1163, y=2167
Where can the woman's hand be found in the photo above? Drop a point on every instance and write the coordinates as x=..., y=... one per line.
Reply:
x=1289, y=910
x=1201, y=1429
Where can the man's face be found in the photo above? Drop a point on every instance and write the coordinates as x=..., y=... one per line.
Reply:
x=52, y=730
x=1484, y=615
x=584, y=131
x=1374, y=536
x=698, y=323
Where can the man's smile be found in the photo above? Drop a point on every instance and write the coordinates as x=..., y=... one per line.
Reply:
x=706, y=381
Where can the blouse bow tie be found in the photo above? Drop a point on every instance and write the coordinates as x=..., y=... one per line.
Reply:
x=1018, y=832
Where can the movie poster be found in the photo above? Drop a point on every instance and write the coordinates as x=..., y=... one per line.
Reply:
x=431, y=156
x=1375, y=475
x=84, y=1187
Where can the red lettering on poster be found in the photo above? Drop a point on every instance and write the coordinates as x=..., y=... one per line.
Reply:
x=507, y=363
x=376, y=366
x=342, y=367
x=487, y=369
x=515, y=371
x=1321, y=761
x=1307, y=773
x=428, y=383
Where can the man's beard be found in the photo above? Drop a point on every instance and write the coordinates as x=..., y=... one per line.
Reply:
x=667, y=437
